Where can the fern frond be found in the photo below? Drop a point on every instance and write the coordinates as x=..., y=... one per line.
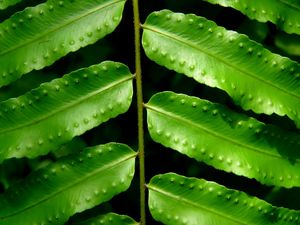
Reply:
x=224, y=139
x=174, y=199
x=6, y=3
x=284, y=13
x=70, y=185
x=44, y=118
x=109, y=219
x=38, y=36
x=253, y=76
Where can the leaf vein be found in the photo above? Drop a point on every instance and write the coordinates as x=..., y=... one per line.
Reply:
x=293, y=6
x=188, y=202
x=192, y=45
x=80, y=181
x=212, y=133
x=42, y=35
x=67, y=106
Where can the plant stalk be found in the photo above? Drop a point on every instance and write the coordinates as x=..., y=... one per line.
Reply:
x=139, y=90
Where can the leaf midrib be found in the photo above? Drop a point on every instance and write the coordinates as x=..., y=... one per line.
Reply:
x=68, y=106
x=42, y=35
x=188, y=202
x=192, y=45
x=80, y=181
x=212, y=133
x=293, y=6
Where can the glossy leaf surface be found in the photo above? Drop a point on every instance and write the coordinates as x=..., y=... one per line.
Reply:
x=109, y=219
x=253, y=76
x=44, y=118
x=70, y=185
x=174, y=199
x=38, y=36
x=224, y=139
x=284, y=13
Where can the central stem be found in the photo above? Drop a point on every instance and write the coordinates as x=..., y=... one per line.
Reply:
x=139, y=90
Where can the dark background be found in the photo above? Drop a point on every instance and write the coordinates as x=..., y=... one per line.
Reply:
x=119, y=46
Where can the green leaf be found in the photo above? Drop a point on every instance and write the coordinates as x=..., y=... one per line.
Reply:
x=253, y=76
x=254, y=30
x=174, y=200
x=72, y=146
x=288, y=198
x=44, y=118
x=109, y=219
x=224, y=139
x=38, y=36
x=71, y=185
x=284, y=13
x=289, y=43
x=6, y=3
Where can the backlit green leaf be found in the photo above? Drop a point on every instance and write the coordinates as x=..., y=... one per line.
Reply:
x=38, y=36
x=73, y=184
x=224, y=139
x=44, y=118
x=284, y=13
x=174, y=200
x=6, y=3
x=109, y=219
x=253, y=76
